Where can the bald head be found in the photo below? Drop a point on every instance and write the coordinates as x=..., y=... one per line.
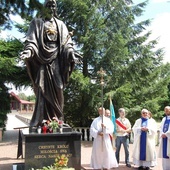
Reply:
x=107, y=113
x=101, y=111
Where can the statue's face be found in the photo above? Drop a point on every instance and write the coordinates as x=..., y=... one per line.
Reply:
x=51, y=7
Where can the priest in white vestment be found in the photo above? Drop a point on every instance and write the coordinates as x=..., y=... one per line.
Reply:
x=144, y=153
x=164, y=147
x=103, y=155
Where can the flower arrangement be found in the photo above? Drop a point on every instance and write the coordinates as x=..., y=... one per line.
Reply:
x=61, y=161
x=52, y=126
x=59, y=164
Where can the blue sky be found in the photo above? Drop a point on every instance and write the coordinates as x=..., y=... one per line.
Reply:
x=156, y=10
x=159, y=13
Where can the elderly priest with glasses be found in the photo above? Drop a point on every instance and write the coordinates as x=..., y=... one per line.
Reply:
x=144, y=153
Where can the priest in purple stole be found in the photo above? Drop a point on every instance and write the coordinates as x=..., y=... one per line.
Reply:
x=164, y=148
x=144, y=153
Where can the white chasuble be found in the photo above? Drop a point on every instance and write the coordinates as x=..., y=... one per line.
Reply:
x=150, y=152
x=165, y=161
x=103, y=155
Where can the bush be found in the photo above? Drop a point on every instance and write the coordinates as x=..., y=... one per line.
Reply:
x=5, y=105
x=3, y=119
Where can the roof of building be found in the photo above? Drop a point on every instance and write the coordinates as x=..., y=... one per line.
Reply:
x=20, y=100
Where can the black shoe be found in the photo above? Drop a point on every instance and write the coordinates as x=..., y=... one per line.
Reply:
x=147, y=168
x=140, y=168
x=128, y=165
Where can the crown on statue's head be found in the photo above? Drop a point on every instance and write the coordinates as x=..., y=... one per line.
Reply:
x=46, y=1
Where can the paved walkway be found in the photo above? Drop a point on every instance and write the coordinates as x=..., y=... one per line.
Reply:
x=8, y=148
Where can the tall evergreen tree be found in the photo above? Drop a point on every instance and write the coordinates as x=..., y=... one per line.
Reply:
x=108, y=36
x=23, y=8
x=9, y=72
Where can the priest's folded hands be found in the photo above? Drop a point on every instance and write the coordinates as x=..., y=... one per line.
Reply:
x=163, y=135
x=103, y=126
x=144, y=129
x=100, y=133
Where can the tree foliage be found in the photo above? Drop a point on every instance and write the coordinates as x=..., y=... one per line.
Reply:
x=11, y=69
x=107, y=35
x=9, y=72
x=4, y=104
x=23, y=8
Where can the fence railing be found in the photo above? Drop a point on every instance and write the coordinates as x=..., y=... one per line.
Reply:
x=86, y=135
x=86, y=131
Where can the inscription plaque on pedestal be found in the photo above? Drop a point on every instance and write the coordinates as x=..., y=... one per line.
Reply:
x=42, y=149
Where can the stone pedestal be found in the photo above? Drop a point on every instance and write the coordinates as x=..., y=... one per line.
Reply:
x=42, y=149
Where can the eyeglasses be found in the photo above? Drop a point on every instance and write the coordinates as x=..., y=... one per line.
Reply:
x=144, y=113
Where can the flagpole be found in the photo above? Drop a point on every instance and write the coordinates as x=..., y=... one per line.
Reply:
x=113, y=118
x=102, y=73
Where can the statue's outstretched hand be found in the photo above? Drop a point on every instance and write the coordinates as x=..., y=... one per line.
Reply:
x=25, y=54
x=75, y=57
x=72, y=56
x=78, y=57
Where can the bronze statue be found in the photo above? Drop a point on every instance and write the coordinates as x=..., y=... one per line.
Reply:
x=50, y=59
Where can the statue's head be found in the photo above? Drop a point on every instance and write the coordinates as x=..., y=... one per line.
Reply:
x=51, y=7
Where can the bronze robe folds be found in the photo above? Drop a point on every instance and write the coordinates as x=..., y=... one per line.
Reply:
x=49, y=68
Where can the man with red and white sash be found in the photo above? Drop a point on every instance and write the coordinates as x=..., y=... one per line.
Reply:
x=123, y=128
x=164, y=147
x=144, y=153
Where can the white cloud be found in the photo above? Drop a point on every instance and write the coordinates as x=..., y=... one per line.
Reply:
x=27, y=91
x=161, y=28
x=158, y=1
x=17, y=19
x=3, y=34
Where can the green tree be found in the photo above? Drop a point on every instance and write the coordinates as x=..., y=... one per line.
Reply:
x=107, y=35
x=9, y=72
x=31, y=98
x=11, y=67
x=23, y=8
x=22, y=96
x=133, y=62
x=4, y=104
